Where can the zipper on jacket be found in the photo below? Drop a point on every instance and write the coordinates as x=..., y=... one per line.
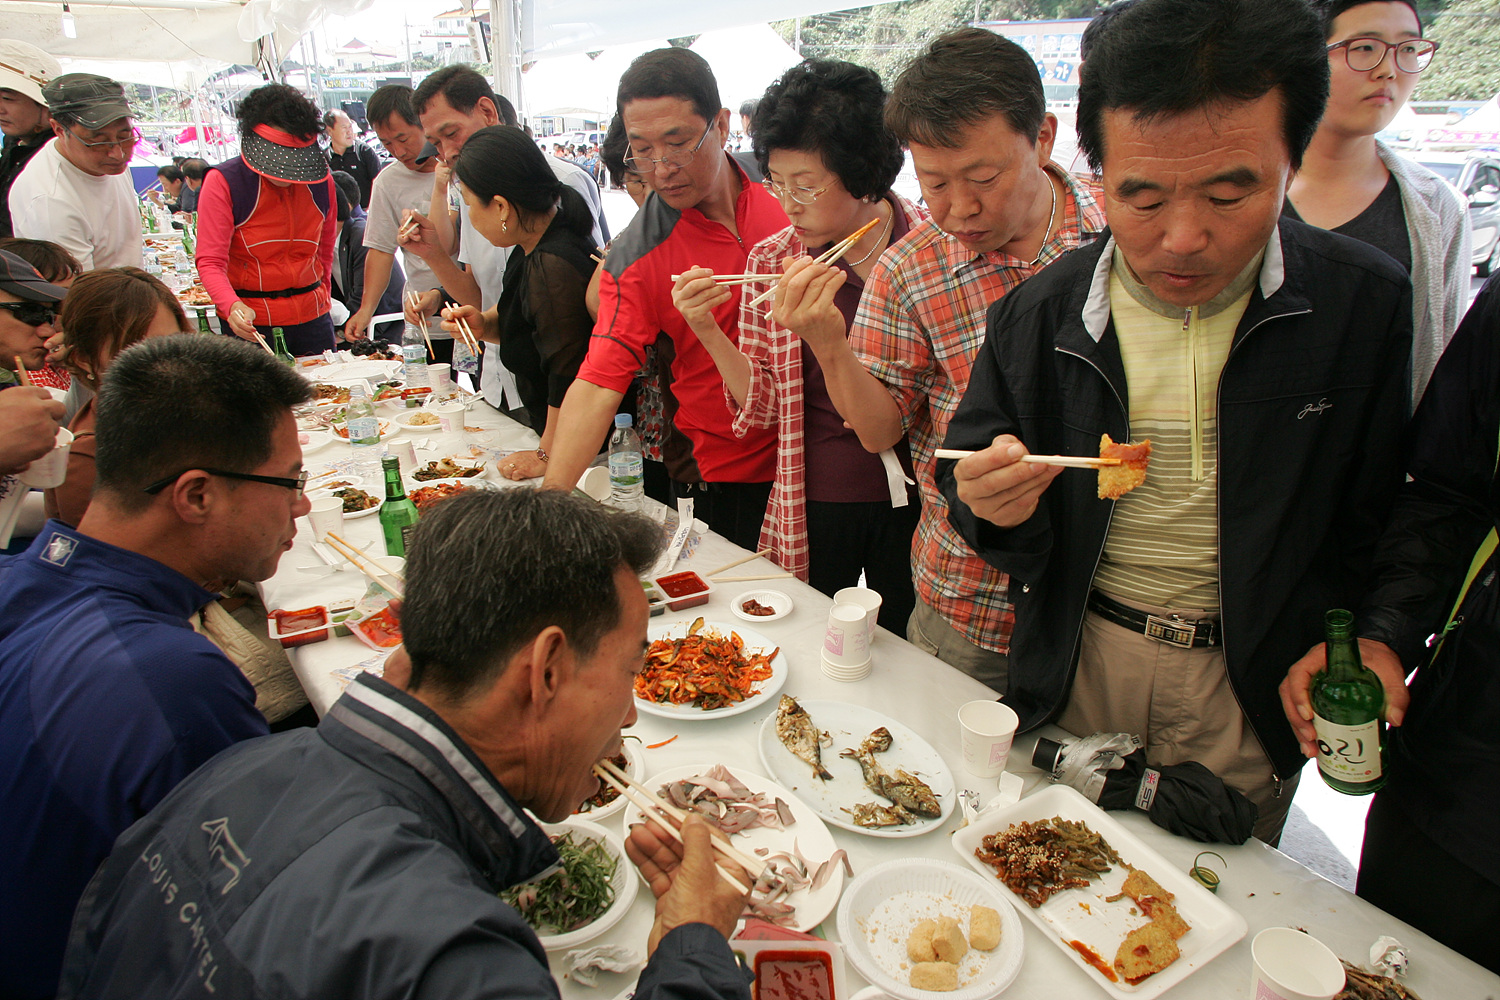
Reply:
x=1195, y=420
x=1278, y=784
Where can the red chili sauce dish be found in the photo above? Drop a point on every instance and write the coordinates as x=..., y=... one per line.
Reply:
x=793, y=975
x=684, y=590
x=298, y=628
x=381, y=629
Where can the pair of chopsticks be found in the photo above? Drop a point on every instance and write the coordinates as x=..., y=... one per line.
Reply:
x=408, y=227
x=649, y=804
x=413, y=300
x=834, y=253
x=465, y=332
x=21, y=371
x=739, y=279
x=740, y=562
x=364, y=564
x=1069, y=461
x=262, y=342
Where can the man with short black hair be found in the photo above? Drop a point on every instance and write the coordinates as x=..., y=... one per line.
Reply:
x=193, y=172
x=350, y=260
x=170, y=195
x=24, y=121
x=108, y=698
x=349, y=153
x=76, y=192
x=402, y=816
x=704, y=211
x=1268, y=364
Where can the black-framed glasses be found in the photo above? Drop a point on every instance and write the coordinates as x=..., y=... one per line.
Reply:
x=644, y=165
x=1364, y=54
x=801, y=195
x=31, y=313
x=127, y=144
x=299, y=484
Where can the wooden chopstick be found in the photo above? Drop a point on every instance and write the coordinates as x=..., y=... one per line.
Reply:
x=646, y=805
x=596, y=258
x=262, y=342
x=656, y=802
x=749, y=579
x=738, y=562
x=1067, y=461
x=378, y=575
x=470, y=338
x=834, y=253
x=21, y=371
x=330, y=472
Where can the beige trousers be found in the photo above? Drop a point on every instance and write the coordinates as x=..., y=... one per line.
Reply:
x=1179, y=702
x=931, y=633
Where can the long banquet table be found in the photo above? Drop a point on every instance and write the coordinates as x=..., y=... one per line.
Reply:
x=1265, y=886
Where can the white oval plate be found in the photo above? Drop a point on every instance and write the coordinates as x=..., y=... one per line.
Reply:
x=808, y=834
x=403, y=420
x=849, y=725
x=625, y=883
x=353, y=371
x=385, y=430
x=754, y=641
x=885, y=903
x=632, y=769
x=378, y=492
x=769, y=598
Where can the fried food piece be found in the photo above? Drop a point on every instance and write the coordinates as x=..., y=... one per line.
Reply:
x=1144, y=951
x=1140, y=887
x=948, y=941
x=1117, y=480
x=984, y=928
x=939, y=977
x=919, y=942
x=1165, y=916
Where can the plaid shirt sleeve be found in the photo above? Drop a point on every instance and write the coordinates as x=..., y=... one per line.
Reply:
x=763, y=342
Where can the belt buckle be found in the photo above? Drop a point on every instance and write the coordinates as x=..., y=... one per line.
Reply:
x=1173, y=631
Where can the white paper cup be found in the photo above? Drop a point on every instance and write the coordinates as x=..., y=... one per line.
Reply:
x=595, y=483
x=441, y=377
x=988, y=729
x=866, y=598
x=1287, y=964
x=452, y=416
x=405, y=455
x=846, y=674
x=325, y=515
x=52, y=468
x=847, y=641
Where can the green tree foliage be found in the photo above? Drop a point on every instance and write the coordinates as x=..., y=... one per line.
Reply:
x=1467, y=67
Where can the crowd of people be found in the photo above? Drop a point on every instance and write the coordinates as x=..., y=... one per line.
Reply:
x=1240, y=273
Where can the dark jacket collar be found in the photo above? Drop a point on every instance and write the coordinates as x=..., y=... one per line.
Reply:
x=395, y=733
x=65, y=551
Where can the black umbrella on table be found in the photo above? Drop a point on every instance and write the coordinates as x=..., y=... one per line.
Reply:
x=1187, y=798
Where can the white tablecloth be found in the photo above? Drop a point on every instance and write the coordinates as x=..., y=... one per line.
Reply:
x=1266, y=887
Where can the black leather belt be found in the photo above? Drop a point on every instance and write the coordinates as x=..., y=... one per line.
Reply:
x=280, y=293
x=1170, y=629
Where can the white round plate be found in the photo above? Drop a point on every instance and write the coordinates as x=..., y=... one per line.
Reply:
x=633, y=769
x=353, y=371
x=473, y=482
x=849, y=725
x=385, y=430
x=884, y=903
x=378, y=492
x=808, y=834
x=768, y=598
x=625, y=883
x=316, y=439
x=754, y=642
x=403, y=420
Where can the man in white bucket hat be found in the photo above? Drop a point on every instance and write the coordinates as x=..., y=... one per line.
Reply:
x=24, y=120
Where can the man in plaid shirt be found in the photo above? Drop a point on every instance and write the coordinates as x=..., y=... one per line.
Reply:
x=970, y=108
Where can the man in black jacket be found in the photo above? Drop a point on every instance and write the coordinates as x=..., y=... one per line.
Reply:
x=362, y=859
x=349, y=263
x=1434, y=822
x=24, y=120
x=349, y=153
x=1263, y=361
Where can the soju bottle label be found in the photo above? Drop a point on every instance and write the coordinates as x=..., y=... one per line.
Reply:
x=1348, y=753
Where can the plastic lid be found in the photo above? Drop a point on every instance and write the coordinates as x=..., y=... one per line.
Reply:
x=623, y=420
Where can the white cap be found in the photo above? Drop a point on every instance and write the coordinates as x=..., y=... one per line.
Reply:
x=24, y=68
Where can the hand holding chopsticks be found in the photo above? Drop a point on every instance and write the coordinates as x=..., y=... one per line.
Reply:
x=1067, y=461
x=457, y=324
x=415, y=303
x=833, y=253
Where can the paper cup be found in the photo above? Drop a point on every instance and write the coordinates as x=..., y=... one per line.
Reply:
x=595, y=483
x=325, y=515
x=52, y=468
x=451, y=415
x=441, y=376
x=1287, y=964
x=405, y=455
x=846, y=674
x=847, y=641
x=988, y=729
x=865, y=598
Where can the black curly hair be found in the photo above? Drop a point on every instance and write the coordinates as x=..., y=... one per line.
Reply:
x=834, y=109
x=279, y=106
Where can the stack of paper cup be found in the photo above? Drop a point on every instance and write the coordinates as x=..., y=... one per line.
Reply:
x=51, y=469
x=1287, y=964
x=846, y=645
x=866, y=598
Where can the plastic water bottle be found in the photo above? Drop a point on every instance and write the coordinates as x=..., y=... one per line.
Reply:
x=364, y=428
x=414, y=356
x=627, y=469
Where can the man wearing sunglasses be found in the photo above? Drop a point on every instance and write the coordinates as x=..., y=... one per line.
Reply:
x=29, y=416
x=107, y=697
x=76, y=192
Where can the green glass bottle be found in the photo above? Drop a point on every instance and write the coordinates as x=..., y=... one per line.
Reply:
x=278, y=344
x=398, y=515
x=1348, y=700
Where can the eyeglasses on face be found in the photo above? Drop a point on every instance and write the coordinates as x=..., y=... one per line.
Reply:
x=31, y=313
x=298, y=484
x=1364, y=54
x=675, y=160
x=801, y=195
x=127, y=143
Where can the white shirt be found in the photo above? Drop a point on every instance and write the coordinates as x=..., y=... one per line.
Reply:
x=486, y=262
x=396, y=190
x=96, y=219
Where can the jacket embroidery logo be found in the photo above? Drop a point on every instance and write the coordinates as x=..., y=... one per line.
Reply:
x=59, y=550
x=221, y=845
x=1315, y=409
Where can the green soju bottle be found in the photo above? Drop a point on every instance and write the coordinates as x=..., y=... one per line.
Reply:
x=398, y=515
x=1347, y=700
x=203, y=326
x=278, y=344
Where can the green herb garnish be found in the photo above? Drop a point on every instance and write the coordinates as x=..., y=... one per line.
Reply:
x=572, y=897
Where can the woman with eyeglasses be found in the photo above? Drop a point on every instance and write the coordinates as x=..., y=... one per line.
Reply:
x=1352, y=183
x=104, y=313
x=821, y=140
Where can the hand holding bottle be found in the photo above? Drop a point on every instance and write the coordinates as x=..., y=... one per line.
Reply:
x=1296, y=701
